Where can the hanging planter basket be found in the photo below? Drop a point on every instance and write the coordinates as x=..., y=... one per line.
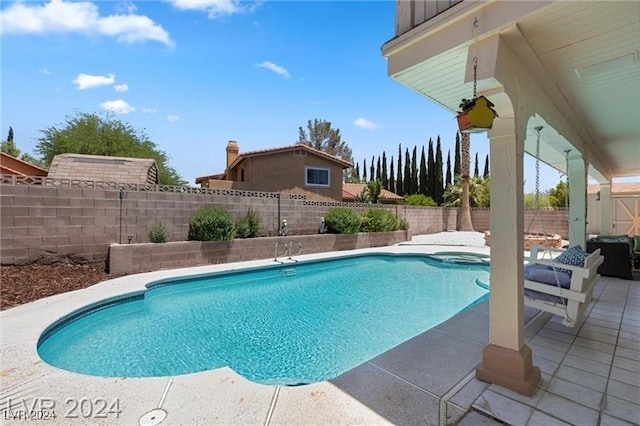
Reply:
x=477, y=115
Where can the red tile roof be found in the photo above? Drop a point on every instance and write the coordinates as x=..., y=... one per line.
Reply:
x=269, y=151
x=351, y=190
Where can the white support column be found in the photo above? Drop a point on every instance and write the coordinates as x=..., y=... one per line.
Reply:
x=605, y=208
x=507, y=360
x=577, y=177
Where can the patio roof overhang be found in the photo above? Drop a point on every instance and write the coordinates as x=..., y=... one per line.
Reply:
x=582, y=58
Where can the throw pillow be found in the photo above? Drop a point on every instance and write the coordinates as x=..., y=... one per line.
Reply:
x=572, y=256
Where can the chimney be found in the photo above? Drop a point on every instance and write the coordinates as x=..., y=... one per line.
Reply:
x=232, y=153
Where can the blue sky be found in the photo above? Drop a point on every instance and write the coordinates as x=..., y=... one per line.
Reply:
x=197, y=74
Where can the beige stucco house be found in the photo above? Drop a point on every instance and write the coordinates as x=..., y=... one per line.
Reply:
x=295, y=169
x=570, y=68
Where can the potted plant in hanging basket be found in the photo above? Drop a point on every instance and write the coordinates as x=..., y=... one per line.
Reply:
x=477, y=115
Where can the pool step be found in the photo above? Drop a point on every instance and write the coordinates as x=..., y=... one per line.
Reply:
x=290, y=272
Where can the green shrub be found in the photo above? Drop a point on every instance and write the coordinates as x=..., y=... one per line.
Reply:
x=403, y=224
x=379, y=220
x=420, y=200
x=342, y=220
x=158, y=233
x=211, y=224
x=248, y=225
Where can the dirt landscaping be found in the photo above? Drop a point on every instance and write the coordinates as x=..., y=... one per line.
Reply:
x=26, y=283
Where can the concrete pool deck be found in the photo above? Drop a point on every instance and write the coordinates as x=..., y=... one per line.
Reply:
x=591, y=374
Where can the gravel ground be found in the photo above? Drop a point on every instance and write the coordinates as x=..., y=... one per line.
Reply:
x=26, y=283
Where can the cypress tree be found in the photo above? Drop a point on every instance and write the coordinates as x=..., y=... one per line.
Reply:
x=357, y=173
x=399, y=182
x=385, y=179
x=392, y=183
x=439, y=184
x=448, y=180
x=414, y=171
x=431, y=172
x=486, y=167
x=378, y=171
x=364, y=170
x=476, y=170
x=423, y=173
x=457, y=166
x=372, y=176
x=407, y=173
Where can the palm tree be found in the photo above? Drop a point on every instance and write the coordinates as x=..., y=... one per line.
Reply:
x=465, y=208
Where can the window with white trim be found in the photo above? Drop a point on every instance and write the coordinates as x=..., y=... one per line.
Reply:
x=316, y=176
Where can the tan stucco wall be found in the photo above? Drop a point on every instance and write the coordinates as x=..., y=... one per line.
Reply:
x=284, y=172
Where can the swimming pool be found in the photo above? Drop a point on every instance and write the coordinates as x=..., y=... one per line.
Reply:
x=287, y=324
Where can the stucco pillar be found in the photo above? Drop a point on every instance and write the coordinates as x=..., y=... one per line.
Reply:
x=605, y=208
x=577, y=177
x=507, y=360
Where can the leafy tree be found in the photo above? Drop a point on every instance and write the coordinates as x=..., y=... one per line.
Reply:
x=423, y=174
x=385, y=179
x=90, y=133
x=392, y=183
x=479, y=193
x=486, y=167
x=9, y=146
x=559, y=196
x=420, y=200
x=530, y=201
x=407, y=172
x=373, y=168
x=364, y=170
x=448, y=180
x=476, y=170
x=414, y=171
x=457, y=164
x=400, y=183
x=439, y=184
x=325, y=138
x=374, y=189
x=431, y=172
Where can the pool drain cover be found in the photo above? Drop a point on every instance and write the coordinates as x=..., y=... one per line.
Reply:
x=153, y=417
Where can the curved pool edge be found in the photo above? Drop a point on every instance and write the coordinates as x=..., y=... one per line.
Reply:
x=25, y=323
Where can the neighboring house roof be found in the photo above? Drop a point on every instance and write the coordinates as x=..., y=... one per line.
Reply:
x=271, y=151
x=104, y=168
x=351, y=190
x=10, y=165
x=617, y=188
x=218, y=176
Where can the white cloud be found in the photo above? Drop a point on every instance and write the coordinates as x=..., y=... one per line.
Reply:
x=148, y=110
x=59, y=16
x=44, y=71
x=172, y=118
x=363, y=123
x=121, y=87
x=126, y=7
x=119, y=106
x=275, y=68
x=86, y=81
x=217, y=8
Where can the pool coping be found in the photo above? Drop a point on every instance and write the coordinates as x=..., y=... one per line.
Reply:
x=23, y=325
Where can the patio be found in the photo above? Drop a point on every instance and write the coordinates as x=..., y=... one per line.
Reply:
x=591, y=374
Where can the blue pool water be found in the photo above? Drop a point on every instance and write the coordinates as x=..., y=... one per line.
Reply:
x=291, y=324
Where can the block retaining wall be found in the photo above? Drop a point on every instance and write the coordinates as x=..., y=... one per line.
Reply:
x=61, y=219
x=134, y=258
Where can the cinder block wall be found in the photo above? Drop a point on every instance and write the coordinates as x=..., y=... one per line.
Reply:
x=134, y=258
x=549, y=221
